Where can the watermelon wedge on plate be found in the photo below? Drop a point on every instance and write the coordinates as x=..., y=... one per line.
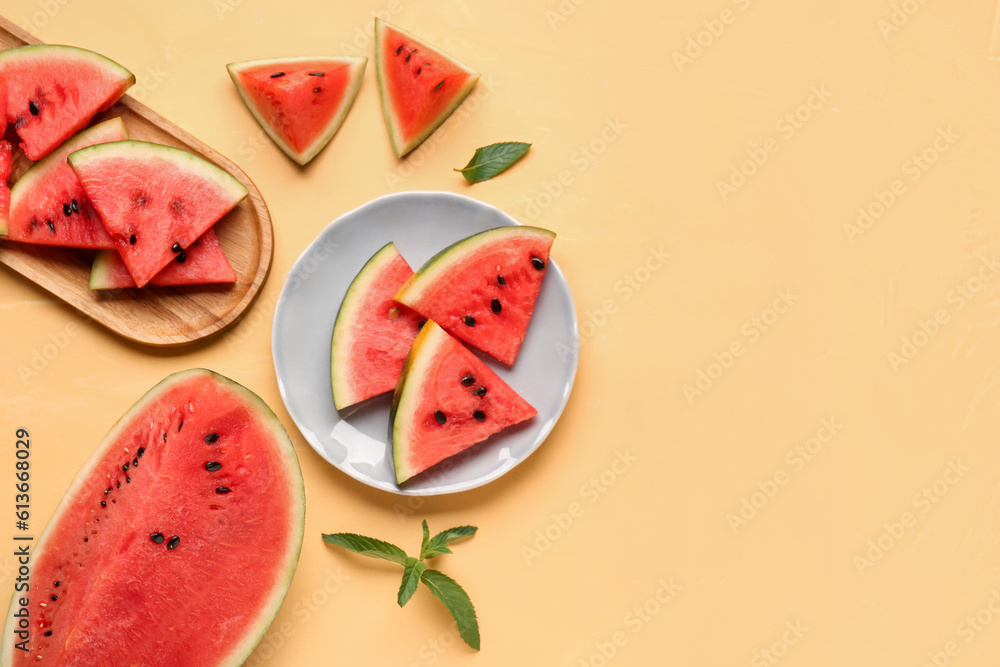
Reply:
x=53, y=91
x=300, y=102
x=419, y=85
x=203, y=263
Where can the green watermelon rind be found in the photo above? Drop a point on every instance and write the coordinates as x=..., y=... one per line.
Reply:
x=42, y=50
x=398, y=146
x=357, y=65
x=269, y=610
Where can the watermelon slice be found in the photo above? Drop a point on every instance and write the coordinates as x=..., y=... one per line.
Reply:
x=6, y=161
x=419, y=85
x=176, y=542
x=373, y=333
x=155, y=200
x=203, y=263
x=483, y=289
x=49, y=205
x=446, y=401
x=53, y=92
x=300, y=102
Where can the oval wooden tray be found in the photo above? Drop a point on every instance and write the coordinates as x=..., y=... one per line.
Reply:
x=153, y=315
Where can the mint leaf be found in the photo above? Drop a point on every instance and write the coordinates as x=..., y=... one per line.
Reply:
x=423, y=543
x=491, y=160
x=368, y=546
x=438, y=544
x=411, y=577
x=457, y=601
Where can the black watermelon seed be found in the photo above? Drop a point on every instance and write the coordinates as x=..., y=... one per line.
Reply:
x=157, y=537
x=125, y=467
x=140, y=452
x=135, y=462
x=212, y=466
x=420, y=324
x=107, y=491
x=103, y=504
x=53, y=597
x=56, y=583
x=32, y=107
x=277, y=74
x=132, y=239
x=400, y=48
x=479, y=415
x=419, y=70
x=409, y=55
x=172, y=544
x=181, y=258
x=52, y=228
x=73, y=205
x=164, y=436
x=176, y=248
x=317, y=74
x=317, y=90
x=47, y=633
x=469, y=320
x=481, y=391
x=127, y=479
x=537, y=263
x=468, y=380
x=118, y=485
x=439, y=416
x=67, y=209
x=500, y=281
x=86, y=539
x=440, y=83
x=496, y=306
x=223, y=489
x=211, y=438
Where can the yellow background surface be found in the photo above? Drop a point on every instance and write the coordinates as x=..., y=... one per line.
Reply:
x=782, y=443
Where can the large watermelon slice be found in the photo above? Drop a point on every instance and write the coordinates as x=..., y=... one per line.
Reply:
x=49, y=205
x=176, y=542
x=53, y=92
x=373, y=333
x=483, y=289
x=155, y=200
x=419, y=85
x=300, y=102
x=203, y=263
x=446, y=401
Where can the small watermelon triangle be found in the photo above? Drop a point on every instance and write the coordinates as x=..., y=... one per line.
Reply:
x=300, y=102
x=446, y=401
x=203, y=263
x=419, y=85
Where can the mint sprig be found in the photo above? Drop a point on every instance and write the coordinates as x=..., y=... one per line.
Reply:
x=415, y=571
x=491, y=160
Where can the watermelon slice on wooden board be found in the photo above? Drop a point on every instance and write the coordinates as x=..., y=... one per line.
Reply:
x=48, y=203
x=300, y=102
x=175, y=543
x=446, y=401
x=155, y=200
x=419, y=85
x=203, y=263
x=483, y=288
x=373, y=333
x=6, y=161
x=53, y=91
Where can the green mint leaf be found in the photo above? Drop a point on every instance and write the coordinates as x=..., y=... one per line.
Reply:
x=439, y=543
x=368, y=546
x=427, y=536
x=411, y=577
x=491, y=160
x=457, y=602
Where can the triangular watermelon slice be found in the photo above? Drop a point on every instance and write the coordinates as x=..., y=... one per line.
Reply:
x=419, y=85
x=48, y=204
x=483, y=289
x=373, y=333
x=6, y=162
x=203, y=263
x=300, y=102
x=446, y=401
x=155, y=200
x=53, y=91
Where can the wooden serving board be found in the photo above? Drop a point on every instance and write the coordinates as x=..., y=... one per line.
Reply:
x=153, y=315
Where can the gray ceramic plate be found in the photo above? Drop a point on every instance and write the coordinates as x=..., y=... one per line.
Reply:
x=356, y=440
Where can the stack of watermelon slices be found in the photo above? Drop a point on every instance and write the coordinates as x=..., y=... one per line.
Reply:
x=400, y=331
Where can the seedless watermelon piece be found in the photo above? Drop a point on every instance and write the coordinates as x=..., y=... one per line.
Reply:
x=483, y=289
x=419, y=85
x=373, y=333
x=49, y=205
x=446, y=401
x=53, y=91
x=300, y=102
x=154, y=200
x=177, y=540
x=203, y=263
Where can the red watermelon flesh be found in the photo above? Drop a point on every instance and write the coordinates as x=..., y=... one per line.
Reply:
x=203, y=263
x=300, y=102
x=155, y=200
x=48, y=203
x=53, y=91
x=419, y=85
x=373, y=333
x=6, y=161
x=483, y=289
x=446, y=401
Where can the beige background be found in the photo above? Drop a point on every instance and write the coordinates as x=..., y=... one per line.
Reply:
x=781, y=446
